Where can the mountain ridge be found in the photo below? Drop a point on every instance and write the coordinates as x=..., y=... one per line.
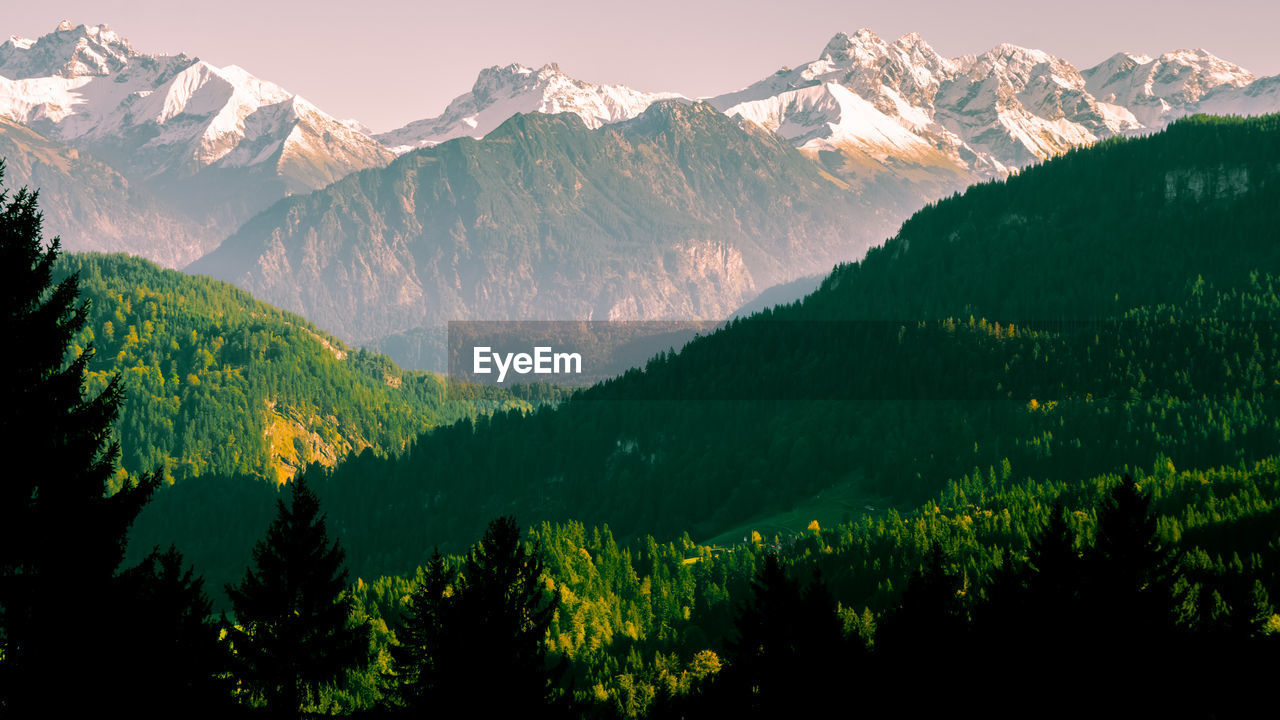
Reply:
x=680, y=212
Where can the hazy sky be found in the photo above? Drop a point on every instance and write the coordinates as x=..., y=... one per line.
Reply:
x=386, y=62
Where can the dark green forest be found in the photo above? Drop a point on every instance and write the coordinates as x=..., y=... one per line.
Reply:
x=1046, y=410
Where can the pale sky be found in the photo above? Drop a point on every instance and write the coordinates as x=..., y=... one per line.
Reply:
x=387, y=62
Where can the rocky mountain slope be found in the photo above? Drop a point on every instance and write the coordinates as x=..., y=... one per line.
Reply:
x=681, y=212
x=93, y=207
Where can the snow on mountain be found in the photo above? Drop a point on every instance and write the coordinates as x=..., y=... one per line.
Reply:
x=67, y=52
x=1016, y=106
x=881, y=84
x=500, y=92
x=1160, y=90
x=899, y=78
x=830, y=115
x=1260, y=97
x=170, y=119
x=988, y=113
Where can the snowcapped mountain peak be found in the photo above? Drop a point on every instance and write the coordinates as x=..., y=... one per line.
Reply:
x=69, y=51
x=1195, y=72
x=502, y=91
x=494, y=82
x=168, y=118
x=1159, y=90
x=843, y=47
x=1013, y=59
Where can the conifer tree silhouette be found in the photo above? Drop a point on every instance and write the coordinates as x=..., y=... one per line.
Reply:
x=787, y=653
x=173, y=640
x=478, y=648
x=423, y=636
x=1127, y=592
x=62, y=529
x=921, y=637
x=293, y=632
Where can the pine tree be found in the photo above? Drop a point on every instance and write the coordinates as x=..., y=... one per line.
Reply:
x=478, y=648
x=1128, y=582
x=293, y=633
x=173, y=640
x=1127, y=601
x=422, y=637
x=62, y=531
x=501, y=596
x=922, y=634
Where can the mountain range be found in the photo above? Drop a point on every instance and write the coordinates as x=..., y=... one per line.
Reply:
x=989, y=113
x=539, y=195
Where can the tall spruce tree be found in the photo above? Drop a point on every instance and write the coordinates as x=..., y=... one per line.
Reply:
x=1127, y=589
x=62, y=531
x=293, y=631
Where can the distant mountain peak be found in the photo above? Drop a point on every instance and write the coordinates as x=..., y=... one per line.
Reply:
x=502, y=91
x=1158, y=90
x=842, y=47
x=165, y=119
x=69, y=51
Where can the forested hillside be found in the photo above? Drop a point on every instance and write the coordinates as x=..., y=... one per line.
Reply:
x=1169, y=354
x=217, y=382
x=648, y=624
x=1175, y=362
x=1089, y=235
